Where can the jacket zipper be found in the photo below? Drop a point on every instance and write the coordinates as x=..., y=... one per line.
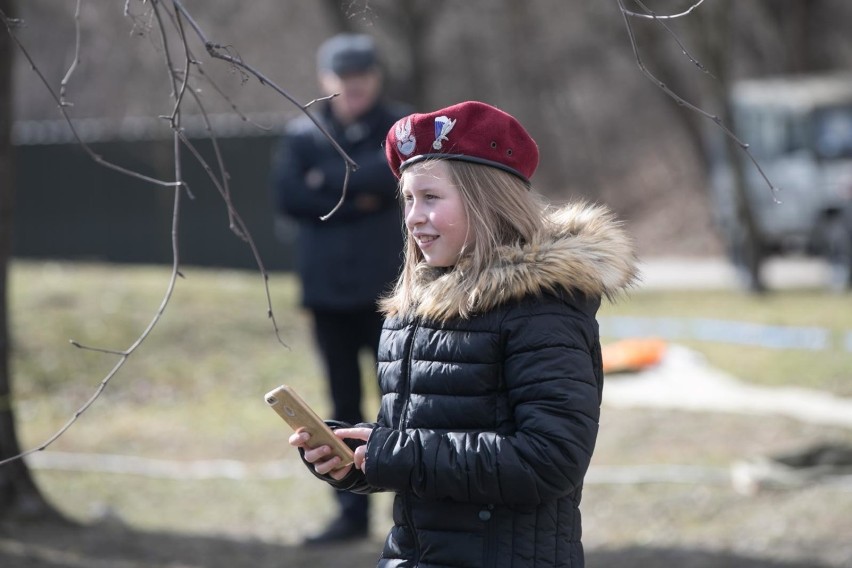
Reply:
x=409, y=349
x=402, y=421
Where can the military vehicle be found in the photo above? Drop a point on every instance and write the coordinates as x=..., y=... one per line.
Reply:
x=799, y=129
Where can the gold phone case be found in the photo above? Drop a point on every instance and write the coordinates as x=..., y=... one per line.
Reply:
x=298, y=414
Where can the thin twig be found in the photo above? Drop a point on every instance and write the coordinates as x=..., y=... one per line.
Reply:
x=64, y=83
x=226, y=98
x=320, y=99
x=660, y=20
x=665, y=17
x=187, y=63
x=79, y=345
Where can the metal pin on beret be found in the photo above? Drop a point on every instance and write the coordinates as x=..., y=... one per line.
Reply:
x=471, y=131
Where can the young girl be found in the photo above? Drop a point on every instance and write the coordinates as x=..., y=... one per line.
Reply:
x=489, y=361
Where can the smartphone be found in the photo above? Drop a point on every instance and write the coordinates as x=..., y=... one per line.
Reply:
x=296, y=412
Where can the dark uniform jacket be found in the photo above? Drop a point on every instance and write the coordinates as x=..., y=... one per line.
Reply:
x=349, y=260
x=488, y=422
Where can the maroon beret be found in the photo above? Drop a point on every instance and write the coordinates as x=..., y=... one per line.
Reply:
x=470, y=131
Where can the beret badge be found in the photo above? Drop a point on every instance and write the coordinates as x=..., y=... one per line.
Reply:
x=405, y=141
x=443, y=125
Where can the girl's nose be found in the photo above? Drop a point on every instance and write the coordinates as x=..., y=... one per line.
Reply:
x=414, y=216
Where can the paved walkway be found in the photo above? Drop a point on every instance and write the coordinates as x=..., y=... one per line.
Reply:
x=713, y=273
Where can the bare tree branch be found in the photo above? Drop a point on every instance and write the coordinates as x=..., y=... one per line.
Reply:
x=181, y=81
x=219, y=51
x=125, y=355
x=96, y=157
x=222, y=184
x=683, y=102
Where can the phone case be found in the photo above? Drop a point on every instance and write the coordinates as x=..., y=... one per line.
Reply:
x=296, y=412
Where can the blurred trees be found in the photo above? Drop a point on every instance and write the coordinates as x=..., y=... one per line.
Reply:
x=564, y=68
x=736, y=40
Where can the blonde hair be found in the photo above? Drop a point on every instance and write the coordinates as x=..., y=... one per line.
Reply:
x=501, y=210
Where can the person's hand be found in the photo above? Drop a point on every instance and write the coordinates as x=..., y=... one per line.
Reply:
x=356, y=434
x=319, y=457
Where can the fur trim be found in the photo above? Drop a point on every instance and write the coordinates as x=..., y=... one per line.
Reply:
x=588, y=252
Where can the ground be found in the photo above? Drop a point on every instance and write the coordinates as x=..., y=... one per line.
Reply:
x=689, y=524
x=694, y=519
x=128, y=549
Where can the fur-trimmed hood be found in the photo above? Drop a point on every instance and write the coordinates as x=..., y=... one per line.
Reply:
x=588, y=252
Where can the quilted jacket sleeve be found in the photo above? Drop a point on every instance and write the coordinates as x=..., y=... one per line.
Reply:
x=552, y=377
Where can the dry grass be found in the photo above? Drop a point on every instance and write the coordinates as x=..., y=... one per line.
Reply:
x=194, y=392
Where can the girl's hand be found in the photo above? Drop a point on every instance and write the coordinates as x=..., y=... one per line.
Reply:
x=357, y=434
x=320, y=457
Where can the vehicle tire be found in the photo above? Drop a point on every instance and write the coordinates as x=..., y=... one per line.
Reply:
x=838, y=253
x=746, y=254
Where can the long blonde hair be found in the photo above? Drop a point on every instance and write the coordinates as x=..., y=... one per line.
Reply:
x=501, y=210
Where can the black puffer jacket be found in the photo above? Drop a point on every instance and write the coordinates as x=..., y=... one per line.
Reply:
x=488, y=423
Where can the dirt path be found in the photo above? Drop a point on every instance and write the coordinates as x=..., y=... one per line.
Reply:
x=24, y=546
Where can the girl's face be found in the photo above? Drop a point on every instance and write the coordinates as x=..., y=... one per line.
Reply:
x=434, y=213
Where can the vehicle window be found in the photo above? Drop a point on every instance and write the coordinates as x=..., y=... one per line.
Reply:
x=769, y=132
x=832, y=133
x=797, y=134
x=752, y=130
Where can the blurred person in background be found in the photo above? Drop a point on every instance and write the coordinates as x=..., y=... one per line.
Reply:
x=346, y=262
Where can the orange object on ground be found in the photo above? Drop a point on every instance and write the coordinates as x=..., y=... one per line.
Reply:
x=630, y=355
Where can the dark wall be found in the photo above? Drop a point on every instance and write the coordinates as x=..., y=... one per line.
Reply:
x=70, y=207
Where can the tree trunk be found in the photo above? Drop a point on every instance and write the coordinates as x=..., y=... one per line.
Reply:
x=748, y=253
x=19, y=496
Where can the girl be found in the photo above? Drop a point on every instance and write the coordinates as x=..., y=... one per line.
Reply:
x=489, y=361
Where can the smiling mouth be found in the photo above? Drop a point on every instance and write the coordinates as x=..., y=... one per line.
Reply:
x=426, y=239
